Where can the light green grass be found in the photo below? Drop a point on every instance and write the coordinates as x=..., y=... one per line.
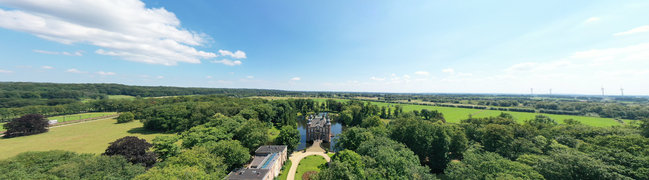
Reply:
x=283, y=175
x=272, y=134
x=74, y=117
x=309, y=163
x=455, y=115
x=2, y=128
x=120, y=97
x=86, y=137
x=331, y=154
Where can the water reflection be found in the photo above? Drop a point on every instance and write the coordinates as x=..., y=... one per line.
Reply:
x=336, y=129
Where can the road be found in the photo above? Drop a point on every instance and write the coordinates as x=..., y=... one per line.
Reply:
x=297, y=156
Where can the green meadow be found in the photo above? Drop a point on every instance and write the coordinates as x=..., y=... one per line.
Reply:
x=86, y=137
x=455, y=115
x=309, y=163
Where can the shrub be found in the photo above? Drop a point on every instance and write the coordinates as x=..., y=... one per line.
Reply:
x=26, y=125
x=125, y=117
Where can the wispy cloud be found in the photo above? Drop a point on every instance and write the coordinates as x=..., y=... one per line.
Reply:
x=102, y=73
x=377, y=78
x=422, y=73
x=592, y=19
x=449, y=70
x=76, y=53
x=237, y=54
x=228, y=62
x=5, y=71
x=640, y=29
x=126, y=29
x=250, y=77
x=73, y=70
x=47, y=67
x=296, y=79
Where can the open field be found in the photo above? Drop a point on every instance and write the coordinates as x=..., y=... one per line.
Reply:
x=120, y=97
x=309, y=163
x=86, y=137
x=284, y=173
x=455, y=115
x=74, y=117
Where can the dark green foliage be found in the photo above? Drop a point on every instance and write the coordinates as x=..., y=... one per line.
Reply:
x=345, y=165
x=644, y=127
x=196, y=163
x=571, y=164
x=488, y=165
x=67, y=165
x=26, y=125
x=134, y=149
x=372, y=121
x=252, y=134
x=233, y=153
x=353, y=137
x=165, y=146
x=125, y=117
x=203, y=134
x=288, y=136
x=388, y=159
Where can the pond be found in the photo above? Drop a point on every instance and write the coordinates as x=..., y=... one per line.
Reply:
x=336, y=128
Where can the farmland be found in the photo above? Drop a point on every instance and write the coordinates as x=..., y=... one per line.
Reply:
x=88, y=137
x=455, y=115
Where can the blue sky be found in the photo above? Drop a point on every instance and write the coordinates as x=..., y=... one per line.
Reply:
x=573, y=47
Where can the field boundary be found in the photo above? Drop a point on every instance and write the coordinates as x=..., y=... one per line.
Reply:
x=78, y=121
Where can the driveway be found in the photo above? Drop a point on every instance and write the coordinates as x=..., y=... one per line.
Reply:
x=297, y=156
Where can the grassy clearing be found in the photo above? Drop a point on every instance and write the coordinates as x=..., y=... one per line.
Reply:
x=272, y=134
x=120, y=97
x=74, y=117
x=455, y=115
x=283, y=175
x=87, y=137
x=309, y=163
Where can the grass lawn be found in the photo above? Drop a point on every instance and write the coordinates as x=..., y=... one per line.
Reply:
x=74, y=117
x=309, y=163
x=455, y=115
x=284, y=173
x=272, y=134
x=120, y=97
x=331, y=154
x=87, y=137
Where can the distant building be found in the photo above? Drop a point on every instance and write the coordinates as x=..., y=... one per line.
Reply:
x=318, y=128
x=266, y=164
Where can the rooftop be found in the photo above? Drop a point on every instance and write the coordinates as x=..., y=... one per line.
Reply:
x=318, y=121
x=248, y=174
x=268, y=149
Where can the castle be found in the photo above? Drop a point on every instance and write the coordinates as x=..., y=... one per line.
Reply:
x=318, y=128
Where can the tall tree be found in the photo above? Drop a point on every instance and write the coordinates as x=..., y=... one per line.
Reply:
x=134, y=149
x=289, y=136
x=26, y=125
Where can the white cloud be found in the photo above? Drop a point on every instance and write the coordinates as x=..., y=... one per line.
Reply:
x=126, y=29
x=5, y=71
x=102, y=73
x=227, y=62
x=76, y=53
x=208, y=77
x=237, y=54
x=296, y=79
x=250, y=77
x=449, y=70
x=422, y=73
x=159, y=77
x=640, y=29
x=47, y=67
x=377, y=79
x=74, y=71
x=592, y=19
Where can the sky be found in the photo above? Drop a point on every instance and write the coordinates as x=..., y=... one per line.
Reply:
x=570, y=47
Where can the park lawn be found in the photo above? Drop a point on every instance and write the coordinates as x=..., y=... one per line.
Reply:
x=120, y=97
x=309, y=163
x=74, y=117
x=283, y=175
x=86, y=137
x=455, y=115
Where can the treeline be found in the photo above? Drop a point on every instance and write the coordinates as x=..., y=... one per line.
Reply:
x=490, y=148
